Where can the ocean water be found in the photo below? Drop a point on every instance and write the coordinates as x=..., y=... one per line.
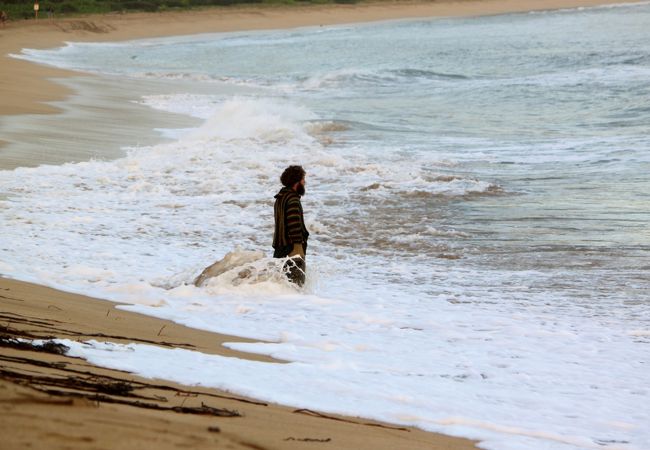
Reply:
x=478, y=194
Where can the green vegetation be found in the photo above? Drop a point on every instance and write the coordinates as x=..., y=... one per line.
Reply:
x=24, y=9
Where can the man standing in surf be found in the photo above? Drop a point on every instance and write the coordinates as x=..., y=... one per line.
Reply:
x=290, y=236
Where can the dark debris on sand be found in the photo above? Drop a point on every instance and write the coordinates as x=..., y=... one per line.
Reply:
x=64, y=380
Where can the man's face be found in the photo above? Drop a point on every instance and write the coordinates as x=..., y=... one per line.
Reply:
x=300, y=189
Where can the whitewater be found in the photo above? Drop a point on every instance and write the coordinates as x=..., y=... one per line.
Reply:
x=477, y=198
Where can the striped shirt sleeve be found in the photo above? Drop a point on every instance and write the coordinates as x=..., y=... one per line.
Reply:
x=294, y=219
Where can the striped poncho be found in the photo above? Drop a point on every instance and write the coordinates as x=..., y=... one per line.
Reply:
x=289, y=223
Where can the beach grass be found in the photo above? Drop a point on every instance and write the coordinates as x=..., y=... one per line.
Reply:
x=21, y=9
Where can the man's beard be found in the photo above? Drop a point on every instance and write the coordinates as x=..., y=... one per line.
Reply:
x=300, y=190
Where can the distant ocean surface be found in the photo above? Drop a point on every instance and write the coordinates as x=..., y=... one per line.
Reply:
x=478, y=194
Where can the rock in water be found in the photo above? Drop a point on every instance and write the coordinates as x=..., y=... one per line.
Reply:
x=230, y=261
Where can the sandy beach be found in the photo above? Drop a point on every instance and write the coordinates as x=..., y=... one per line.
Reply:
x=49, y=400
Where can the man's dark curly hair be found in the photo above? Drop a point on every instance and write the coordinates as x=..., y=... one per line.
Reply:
x=292, y=175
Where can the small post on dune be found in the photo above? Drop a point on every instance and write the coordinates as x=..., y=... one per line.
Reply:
x=36, y=8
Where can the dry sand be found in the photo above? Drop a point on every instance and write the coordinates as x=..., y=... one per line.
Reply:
x=51, y=401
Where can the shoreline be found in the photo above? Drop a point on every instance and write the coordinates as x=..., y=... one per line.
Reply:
x=51, y=400
x=28, y=88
